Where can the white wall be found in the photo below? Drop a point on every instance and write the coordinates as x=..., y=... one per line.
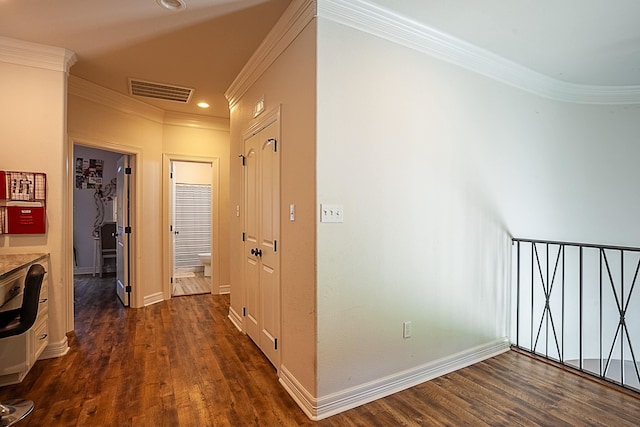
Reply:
x=436, y=167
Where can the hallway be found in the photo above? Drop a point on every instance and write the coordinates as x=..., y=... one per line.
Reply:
x=182, y=363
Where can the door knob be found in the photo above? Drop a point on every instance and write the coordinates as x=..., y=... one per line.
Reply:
x=256, y=252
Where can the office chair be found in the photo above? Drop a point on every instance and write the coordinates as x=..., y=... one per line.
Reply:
x=107, y=243
x=15, y=322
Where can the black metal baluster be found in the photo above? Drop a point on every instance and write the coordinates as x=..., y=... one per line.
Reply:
x=518, y=295
x=581, y=311
x=622, y=322
x=562, y=326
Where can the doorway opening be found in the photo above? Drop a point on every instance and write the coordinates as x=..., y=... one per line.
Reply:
x=191, y=244
x=191, y=227
x=101, y=231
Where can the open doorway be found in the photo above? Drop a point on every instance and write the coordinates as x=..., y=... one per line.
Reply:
x=101, y=222
x=208, y=169
x=191, y=227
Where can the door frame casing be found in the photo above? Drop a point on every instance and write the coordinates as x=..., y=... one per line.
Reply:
x=135, y=162
x=167, y=256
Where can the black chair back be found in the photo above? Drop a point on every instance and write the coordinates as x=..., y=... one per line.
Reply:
x=26, y=315
x=31, y=298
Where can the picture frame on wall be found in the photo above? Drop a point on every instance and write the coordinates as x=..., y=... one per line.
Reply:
x=89, y=173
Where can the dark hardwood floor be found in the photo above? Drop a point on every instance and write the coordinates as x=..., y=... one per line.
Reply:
x=182, y=363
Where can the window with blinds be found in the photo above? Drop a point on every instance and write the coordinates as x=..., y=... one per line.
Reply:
x=193, y=223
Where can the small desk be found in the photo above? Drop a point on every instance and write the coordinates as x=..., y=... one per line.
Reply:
x=18, y=353
x=15, y=302
x=13, y=262
x=11, y=265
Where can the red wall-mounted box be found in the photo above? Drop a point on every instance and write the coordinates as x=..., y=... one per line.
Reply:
x=26, y=220
x=23, y=202
x=3, y=185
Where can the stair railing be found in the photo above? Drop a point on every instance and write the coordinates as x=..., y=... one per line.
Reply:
x=575, y=304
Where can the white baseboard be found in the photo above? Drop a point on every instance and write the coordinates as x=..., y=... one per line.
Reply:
x=89, y=270
x=153, y=298
x=56, y=349
x=326, y=406
x=83, y=270
x=235, y=318
x=224, y=289
x=301, y=395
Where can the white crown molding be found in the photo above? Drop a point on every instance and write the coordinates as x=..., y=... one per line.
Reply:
x=196, y=121
x=380, y=22
x=107, y=97
x=128, y=105
x=36, y=55
x=297, y=16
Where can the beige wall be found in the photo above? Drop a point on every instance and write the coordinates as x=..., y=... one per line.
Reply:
x=32, y=138
x=192, y=173
x=295, y=95
x=149, y=134
x=93, y=124
x=212, y=141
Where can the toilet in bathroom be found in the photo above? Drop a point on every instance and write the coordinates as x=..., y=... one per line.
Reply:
x=205, y=259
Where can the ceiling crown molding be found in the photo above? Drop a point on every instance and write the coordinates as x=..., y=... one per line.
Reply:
x=294, y=19
x=196, y=121
x=88, y=90
x=383, y=23
x=36, y=55
x=125, y=104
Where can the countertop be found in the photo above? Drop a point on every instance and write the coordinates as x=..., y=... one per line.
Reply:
x=13, y=262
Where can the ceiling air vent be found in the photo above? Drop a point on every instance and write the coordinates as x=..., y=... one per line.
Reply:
x=160, y=91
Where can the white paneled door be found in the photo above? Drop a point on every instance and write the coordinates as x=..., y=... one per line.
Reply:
x=262, y=228
x=123, y=231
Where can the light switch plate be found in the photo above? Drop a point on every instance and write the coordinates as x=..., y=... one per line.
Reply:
x=331, y=213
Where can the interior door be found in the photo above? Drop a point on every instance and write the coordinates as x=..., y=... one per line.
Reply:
x=123, y=231
x=262, y=228
x=172, y=221
x=252, y=263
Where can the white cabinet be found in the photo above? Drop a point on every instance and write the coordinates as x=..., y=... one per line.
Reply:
x=19, y=353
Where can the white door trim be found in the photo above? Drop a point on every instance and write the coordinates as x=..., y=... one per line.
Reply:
x=167, y=255
x=135, y=159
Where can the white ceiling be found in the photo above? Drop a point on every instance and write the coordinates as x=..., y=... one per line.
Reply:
x=590, y=42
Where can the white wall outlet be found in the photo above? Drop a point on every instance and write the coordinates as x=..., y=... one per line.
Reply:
x=292, y=212
x=331, y=213
x=406, y=329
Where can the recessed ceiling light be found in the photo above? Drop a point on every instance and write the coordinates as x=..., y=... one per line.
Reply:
x=203, y=105
x=173, y=5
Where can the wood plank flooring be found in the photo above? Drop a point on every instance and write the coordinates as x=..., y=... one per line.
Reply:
x=182, y=363
x=192, y=284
